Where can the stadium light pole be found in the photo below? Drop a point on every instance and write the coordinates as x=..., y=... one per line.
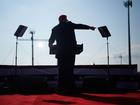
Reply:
x=128, y=4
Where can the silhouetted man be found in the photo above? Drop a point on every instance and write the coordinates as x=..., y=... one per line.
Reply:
x=64, y=35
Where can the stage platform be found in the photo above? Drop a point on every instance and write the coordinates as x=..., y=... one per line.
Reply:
x=88, y=77
x=118, y=98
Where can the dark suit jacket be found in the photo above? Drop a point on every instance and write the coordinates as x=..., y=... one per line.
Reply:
x=64, y=35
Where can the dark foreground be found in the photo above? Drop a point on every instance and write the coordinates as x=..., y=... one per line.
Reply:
x=27, y=85
x=42, y=97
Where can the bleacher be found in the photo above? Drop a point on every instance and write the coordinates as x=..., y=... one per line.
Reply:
x=86, y=76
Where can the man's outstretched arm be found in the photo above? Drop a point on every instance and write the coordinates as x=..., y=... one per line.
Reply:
x=83, y=26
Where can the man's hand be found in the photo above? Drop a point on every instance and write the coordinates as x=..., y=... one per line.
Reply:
x=92, y=28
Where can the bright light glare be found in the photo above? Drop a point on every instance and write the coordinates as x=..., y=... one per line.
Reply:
x=40, y=45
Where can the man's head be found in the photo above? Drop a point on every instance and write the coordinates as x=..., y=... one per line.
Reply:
x=62, y=18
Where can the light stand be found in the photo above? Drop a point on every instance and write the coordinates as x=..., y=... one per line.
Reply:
x=16, y=51
x=107, y=50
x=105, y=34
x=19, y=33
x=128, y=4
x=32, y=39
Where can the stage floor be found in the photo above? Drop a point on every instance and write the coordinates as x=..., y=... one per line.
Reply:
x=92, y=98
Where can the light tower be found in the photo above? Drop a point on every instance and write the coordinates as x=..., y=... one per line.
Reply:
x=128, y=4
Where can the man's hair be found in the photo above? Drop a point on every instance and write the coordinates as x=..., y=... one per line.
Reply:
x=63, y=18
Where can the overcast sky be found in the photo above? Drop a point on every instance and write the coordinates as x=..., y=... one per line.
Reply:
x=42, y=15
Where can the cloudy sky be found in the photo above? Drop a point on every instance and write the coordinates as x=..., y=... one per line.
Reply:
x=42, y=15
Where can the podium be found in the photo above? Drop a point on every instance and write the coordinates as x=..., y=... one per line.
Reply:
x=78, y=49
